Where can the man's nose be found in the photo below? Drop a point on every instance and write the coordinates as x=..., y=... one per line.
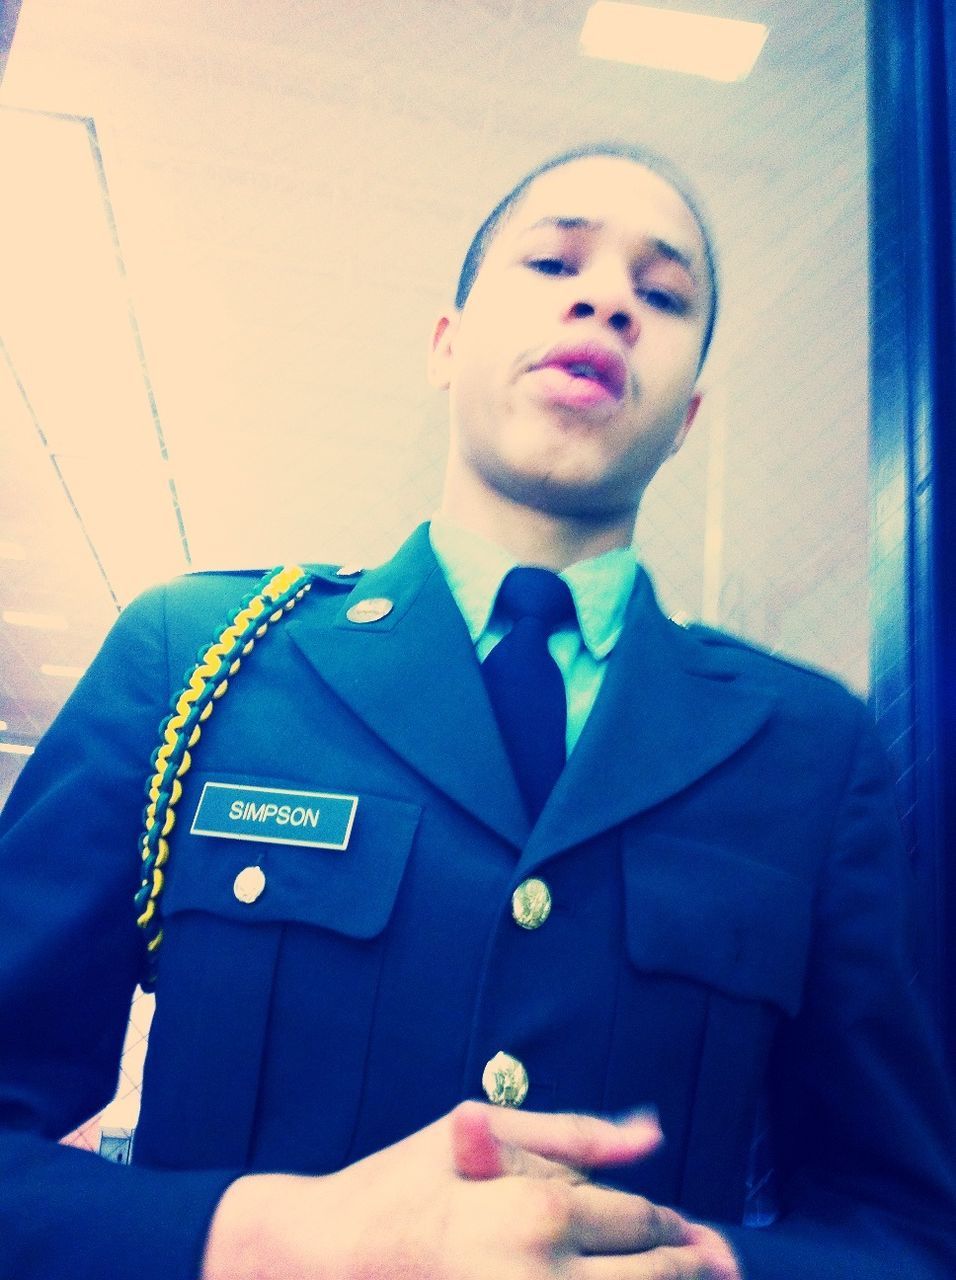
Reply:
x=611, y=305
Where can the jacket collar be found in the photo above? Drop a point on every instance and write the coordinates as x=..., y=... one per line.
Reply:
x=671, y=707
x=414, y=678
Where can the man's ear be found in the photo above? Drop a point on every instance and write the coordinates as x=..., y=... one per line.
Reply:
x=689, y=416
x=441, y=354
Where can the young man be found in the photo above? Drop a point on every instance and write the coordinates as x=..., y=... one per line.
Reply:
x=374, y=908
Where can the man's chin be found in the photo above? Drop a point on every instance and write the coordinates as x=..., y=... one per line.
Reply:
x=567, y=499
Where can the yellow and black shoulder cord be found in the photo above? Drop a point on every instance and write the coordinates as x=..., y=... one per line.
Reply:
x=276, y=594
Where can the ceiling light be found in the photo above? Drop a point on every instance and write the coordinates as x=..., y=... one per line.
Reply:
x=64, y=673
x=67, y=306
x=42, y=621
x=16, y=749
x=671, y=40
x=3, y=726
x=12, y=551
x=132, y=523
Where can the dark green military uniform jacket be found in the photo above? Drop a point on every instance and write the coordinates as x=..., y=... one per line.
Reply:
x=726, y=937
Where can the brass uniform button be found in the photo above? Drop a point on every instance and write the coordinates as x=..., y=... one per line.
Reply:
x=349, y=570
x=505, y=1080
x=249, y=884
x=531, y=903
x=371, y=610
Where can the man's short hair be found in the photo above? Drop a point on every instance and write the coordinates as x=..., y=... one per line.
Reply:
x=639, y=155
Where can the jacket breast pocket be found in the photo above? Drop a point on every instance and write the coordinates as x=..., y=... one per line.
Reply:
x=717, y=948
x=269, y=971
x=340, y=873
x=702, y=912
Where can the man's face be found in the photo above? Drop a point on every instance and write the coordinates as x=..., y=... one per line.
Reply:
x=572, y=366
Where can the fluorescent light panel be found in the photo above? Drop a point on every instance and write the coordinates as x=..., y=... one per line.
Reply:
x=67, y=309
x=16, y=749
x=671, y=40
x=12, y=551
x=63, y=673
x=41, y=621
x=130, y=521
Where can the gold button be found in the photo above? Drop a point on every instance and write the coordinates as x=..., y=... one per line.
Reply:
x=349, y=570
x=249, y=884
x=505, y=1080
x=372, y=610
x=531, y=903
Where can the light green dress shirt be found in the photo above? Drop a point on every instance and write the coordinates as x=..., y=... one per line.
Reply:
x=600, y=588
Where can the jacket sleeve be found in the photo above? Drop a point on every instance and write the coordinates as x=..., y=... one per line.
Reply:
x=862, y=1117
x=69, y=957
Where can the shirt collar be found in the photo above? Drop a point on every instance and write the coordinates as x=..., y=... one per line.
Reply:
x=474, y=569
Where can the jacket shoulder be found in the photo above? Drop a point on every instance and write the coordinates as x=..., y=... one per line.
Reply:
x=337, y=574
x=767, y=664
x=194, y=605
x=204, y=588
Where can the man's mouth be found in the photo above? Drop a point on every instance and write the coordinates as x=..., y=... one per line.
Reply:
x=592, y=361
x=586, y=375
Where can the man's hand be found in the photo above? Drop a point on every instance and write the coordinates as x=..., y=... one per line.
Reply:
x=486, y=1143
x=483, y=1194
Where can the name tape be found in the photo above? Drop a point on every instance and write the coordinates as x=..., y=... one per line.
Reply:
x=319, y=819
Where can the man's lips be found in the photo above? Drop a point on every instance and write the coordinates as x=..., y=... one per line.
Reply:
x=554, y=386
x=587, y=369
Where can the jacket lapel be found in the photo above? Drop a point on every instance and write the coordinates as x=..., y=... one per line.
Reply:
x=414, y=679
x=671, y=708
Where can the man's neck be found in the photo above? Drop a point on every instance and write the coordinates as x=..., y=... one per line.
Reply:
x=537, y=537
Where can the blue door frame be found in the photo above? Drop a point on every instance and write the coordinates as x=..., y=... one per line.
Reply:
x=912, y=67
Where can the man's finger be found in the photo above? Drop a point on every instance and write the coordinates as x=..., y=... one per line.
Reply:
x=475, y=1151
x=615, y=1222
x=667, y=1263
x=579, y=1141
x=478, y=1154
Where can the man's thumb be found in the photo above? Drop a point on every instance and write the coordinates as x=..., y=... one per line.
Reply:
x=476, y=1152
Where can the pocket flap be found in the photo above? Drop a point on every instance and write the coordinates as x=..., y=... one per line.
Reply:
x=350, y=890
x=703, y=912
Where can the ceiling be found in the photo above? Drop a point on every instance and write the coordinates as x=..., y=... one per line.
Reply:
x=225, y=233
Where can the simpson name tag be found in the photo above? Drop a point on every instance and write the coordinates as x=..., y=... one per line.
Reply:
x=314, y=818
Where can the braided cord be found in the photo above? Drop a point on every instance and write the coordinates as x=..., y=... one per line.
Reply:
x=277, y=593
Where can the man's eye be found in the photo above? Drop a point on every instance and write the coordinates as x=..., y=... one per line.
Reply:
x=664, y=300
x=551, y=266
